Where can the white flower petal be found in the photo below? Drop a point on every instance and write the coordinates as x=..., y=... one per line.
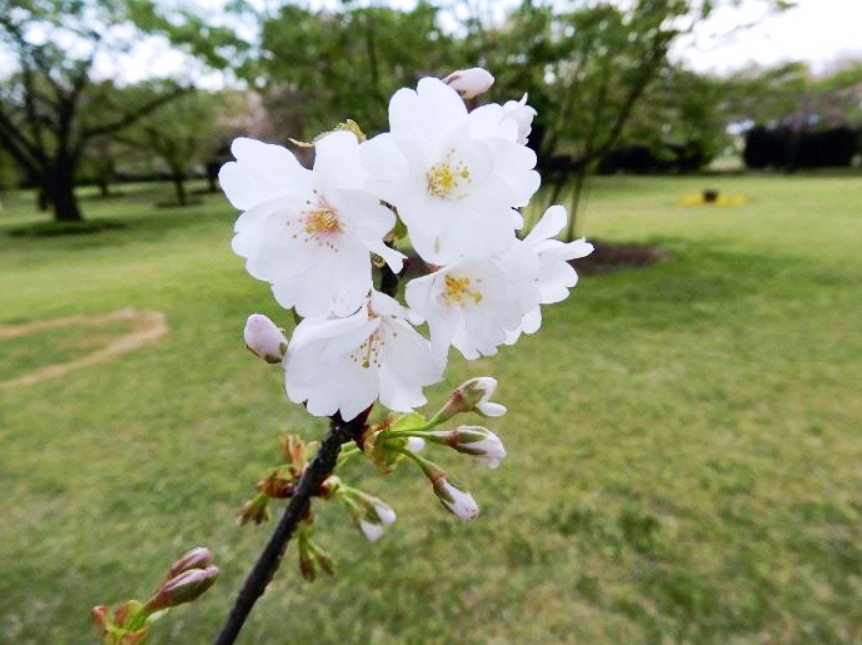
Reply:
x=261, y=172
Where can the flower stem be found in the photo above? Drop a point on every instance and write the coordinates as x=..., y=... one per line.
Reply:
x=429, y=468
x=267, y=564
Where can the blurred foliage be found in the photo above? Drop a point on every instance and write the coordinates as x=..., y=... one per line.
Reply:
x=51, y=106
x=181, y=135
x=331, y=66
x=793, y=95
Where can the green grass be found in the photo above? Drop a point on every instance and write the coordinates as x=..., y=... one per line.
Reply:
x=684, y=439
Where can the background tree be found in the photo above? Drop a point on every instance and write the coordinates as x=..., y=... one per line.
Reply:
x=179, y=134
x=680, y=120
x=327, y=66
x=51, y=107
x=587, y=66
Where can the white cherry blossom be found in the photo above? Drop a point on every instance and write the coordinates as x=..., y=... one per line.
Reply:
x=472, y=304
x=455, y=178
x=555, y=276
x=522, y=114
x=345, y=364
x=309, y=233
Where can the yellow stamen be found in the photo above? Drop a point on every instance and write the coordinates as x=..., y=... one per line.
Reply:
x=447, y=180
x=322, y=221
x=458, y=291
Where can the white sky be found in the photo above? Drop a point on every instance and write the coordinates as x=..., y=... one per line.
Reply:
x=819, y=32
x=816, y=31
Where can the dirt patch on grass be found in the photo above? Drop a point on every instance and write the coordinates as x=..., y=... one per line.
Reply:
x=606, y=257
x=610, y=257
x=147, y=327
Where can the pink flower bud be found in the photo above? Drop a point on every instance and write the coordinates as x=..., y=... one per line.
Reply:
x=198, y=558
x=186, y=587
x=264, y=339
x=470, y=83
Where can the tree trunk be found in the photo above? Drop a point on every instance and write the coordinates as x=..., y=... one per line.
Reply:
x=60, y=188
x=180, y=189
x=577, y=193
x=42, y=201
x=212, y=175
x=104, y=187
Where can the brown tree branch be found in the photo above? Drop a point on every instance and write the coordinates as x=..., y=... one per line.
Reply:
x=267, y=564
x=130, y=117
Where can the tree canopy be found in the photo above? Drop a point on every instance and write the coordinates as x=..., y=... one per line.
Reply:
x=51, y=105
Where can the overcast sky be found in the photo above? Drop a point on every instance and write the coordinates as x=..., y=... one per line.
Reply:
x=816, y=31
x=819, y=32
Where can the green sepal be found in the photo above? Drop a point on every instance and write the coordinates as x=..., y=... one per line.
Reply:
x=131, y=615
x=412, y=421
x=399, y=232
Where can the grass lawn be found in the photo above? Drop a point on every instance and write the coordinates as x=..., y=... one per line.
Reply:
x=685, y=449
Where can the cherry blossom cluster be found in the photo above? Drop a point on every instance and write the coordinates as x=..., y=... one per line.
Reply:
x=444, y=180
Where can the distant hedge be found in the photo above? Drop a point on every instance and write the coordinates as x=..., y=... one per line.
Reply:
x=666, y=158
x=783, y=148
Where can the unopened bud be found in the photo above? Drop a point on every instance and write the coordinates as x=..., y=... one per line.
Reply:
x=456, y=501
x=475, y=441
x=324, y=561
x=264, y=339
x=101, y=615
x=186, y=587
x=370, y=513
x=378, y=515
x=293, y=452
x=383, y=511
x=370, y=530
x=415, y=444
x=198, y=558
x=472, y=396
x=306, y=561
x=470, y=83
x=277, y=487
x=255, y=510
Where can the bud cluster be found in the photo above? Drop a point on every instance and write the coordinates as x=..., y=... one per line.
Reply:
x=280, y=482
x=186, y=580
x=403, y=437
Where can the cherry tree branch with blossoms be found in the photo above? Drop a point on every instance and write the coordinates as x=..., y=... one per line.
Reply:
x=448, y=179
